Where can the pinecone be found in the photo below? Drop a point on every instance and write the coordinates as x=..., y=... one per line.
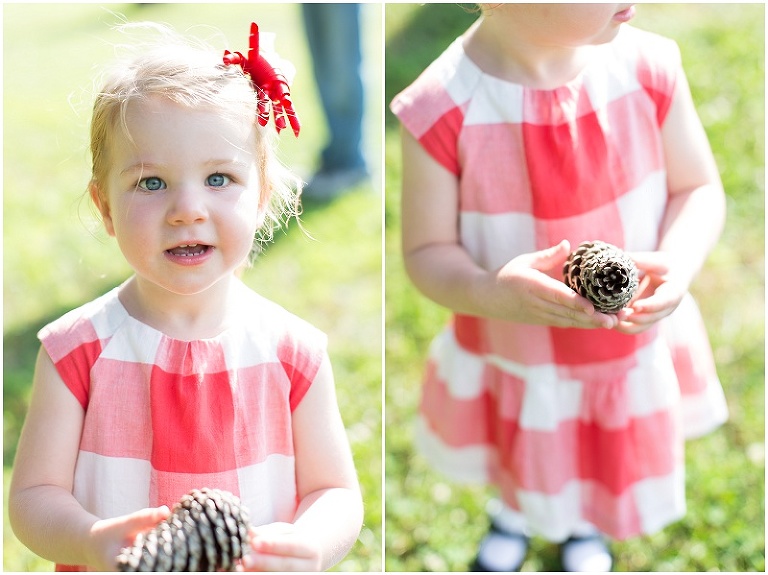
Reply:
x=206, y=531
x=603, y=274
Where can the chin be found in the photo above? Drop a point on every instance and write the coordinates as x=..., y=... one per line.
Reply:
x=606, y=36
x=192, y=286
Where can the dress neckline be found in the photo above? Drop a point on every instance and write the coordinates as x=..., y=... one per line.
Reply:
x=600, y=53
x=147, y=328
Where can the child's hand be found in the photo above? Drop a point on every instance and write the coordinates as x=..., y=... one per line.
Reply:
x=658, y=295
x=111, y=535
x=531, y=296
x=281, y=547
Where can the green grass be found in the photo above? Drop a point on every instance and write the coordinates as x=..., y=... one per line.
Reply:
x=435, y=525
x=56, y=257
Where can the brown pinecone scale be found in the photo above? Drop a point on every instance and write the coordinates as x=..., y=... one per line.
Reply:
x=206, y=531
x=603, y=274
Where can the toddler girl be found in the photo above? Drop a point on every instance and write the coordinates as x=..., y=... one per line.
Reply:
x=543, y=126
x=182, y=377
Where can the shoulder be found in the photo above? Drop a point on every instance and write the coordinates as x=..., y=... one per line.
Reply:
x=655, y=62
x=432, y=109
x=299, y=347
x=270, y=320
x=647, y=44
x=445, y=85
x=647, y=50
x=75, y=341
x=87, y=325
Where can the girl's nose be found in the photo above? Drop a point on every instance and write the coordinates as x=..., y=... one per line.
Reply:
x=187, y=206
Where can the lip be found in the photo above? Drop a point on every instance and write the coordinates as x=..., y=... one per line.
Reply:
x=625, y=15
x=190, y=253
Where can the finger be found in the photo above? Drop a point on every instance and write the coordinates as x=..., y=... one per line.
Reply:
x=280, y=554
x=145, y=519
x=635, y=323
x=559, y=316
x=632, y=328
x=560, y=294
x=149, y=514
x=284, y=546
x=569, y=309
x=271, y=530
x=628, y=328
x=587, y=322
x=645, y=282
x=601, y=320
x=650, y=262
x=550, y=258
x=582, y=312
x=276, y=563
x=664, y=299
x=572, y=301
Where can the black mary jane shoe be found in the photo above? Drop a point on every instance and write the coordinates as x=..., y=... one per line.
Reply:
x=478, y=565
x=600, y=542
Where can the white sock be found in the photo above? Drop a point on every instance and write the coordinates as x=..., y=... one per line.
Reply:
x=588, y=555
x=497, y=551
x=506, y=518
x=500, y=553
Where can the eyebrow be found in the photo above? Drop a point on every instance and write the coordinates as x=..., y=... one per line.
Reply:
x=150, y=166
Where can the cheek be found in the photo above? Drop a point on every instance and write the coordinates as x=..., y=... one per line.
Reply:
x=249, y=215
x=130, y=219
x=591, y=19
x=571, y=24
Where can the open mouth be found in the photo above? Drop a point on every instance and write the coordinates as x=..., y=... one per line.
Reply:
x=189, y=250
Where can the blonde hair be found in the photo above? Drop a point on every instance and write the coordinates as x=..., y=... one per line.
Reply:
x=192, y=74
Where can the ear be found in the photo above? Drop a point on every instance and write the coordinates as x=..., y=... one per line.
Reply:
x=100, y=201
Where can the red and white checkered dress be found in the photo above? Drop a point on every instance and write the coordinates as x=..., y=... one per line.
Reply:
x=164, y=416
x=570, y=424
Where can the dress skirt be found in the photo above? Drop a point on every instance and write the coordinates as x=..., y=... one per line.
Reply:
x=599, y=442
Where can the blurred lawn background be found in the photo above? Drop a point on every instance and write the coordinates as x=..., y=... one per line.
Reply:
x=435, y=525
x=56, y=256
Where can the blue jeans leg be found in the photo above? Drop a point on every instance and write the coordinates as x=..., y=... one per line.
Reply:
x=333, y=33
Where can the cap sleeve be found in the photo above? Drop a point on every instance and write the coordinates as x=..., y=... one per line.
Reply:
x=659, y=66
x=432, y=108
x=73, y=345
x=301, y=351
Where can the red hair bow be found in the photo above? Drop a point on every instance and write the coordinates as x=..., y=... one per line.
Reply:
x=269, y=82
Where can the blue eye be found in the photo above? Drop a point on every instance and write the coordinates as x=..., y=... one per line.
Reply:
x=217, y=180
x=152, y=184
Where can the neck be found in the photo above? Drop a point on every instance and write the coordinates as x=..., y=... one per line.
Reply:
x=514, y=56
x=185, y=317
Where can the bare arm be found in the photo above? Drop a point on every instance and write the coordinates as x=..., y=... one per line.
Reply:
x=330, y=511
x=442, y=269
x=696, y=212
x=693, y=220
x=43, y=512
